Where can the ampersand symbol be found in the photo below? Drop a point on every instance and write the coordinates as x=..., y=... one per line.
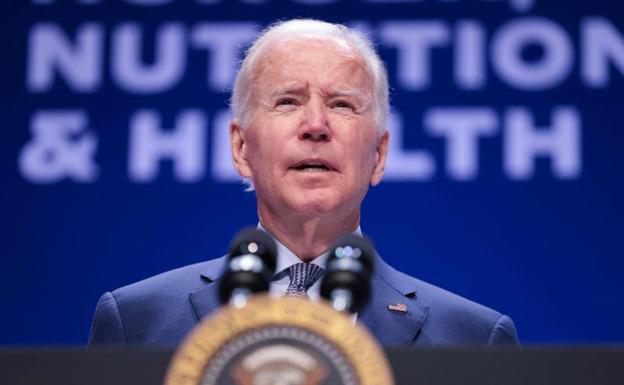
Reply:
x=61, y=148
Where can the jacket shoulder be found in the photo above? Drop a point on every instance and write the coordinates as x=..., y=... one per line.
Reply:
x=453, y=319
x=154, y=311
x=174, y=282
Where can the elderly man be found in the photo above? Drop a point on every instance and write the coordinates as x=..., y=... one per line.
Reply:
x=310, y=104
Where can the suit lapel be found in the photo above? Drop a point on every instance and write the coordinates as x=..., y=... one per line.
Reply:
x=206, y=299
x=390, y=288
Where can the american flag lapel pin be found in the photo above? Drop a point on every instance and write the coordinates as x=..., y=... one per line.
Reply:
x=400, y=307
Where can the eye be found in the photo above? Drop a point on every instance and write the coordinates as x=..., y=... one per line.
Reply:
x=286, y=102
x=342, y=104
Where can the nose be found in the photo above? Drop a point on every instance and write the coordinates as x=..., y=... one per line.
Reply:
x=315, y=126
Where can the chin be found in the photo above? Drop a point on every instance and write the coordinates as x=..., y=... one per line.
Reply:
x=311, y=204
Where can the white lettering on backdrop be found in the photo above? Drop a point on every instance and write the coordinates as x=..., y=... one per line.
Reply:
x=82, y=59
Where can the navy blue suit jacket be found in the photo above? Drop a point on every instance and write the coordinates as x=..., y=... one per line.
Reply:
x=161, y=310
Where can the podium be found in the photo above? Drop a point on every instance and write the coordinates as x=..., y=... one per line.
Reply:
x=465, y=366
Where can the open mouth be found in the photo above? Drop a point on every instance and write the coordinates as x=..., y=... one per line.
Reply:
x=312, y=166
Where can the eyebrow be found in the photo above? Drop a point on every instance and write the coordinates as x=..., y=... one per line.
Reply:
x=295, y=89
x=288, y=89
x=344, y=92
x=349, y=93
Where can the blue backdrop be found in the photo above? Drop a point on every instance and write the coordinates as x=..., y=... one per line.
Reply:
x=505, y=181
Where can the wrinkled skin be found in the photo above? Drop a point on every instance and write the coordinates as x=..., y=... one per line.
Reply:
x=311, y=148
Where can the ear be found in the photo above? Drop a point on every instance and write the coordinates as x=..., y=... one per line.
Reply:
x=380, y=159
x=239, y=150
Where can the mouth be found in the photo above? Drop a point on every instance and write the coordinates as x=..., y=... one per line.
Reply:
x=314, y=165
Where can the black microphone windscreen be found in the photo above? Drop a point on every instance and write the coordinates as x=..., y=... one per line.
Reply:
x=355, y=247
x=254, y=241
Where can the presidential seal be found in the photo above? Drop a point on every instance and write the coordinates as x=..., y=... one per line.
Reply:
x=272, y=341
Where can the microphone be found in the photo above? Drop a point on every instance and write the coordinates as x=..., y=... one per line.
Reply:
x=346, y=283
x=249, y=268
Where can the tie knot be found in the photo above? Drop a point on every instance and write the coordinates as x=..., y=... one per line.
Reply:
x=302, y=276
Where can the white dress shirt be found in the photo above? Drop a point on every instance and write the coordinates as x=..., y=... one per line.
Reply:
x=285, y=259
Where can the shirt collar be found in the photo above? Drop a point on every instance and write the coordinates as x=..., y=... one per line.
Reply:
x=286, y=258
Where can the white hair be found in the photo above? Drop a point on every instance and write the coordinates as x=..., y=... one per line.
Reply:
x=301, y=29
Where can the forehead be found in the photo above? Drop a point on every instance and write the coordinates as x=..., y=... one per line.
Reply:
x=317, y=62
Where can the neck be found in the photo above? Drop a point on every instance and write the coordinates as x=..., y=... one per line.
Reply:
x=308, y=237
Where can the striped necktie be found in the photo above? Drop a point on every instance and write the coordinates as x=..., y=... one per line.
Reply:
x=302, y=276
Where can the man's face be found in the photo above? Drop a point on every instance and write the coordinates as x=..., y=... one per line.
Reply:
x=311, y=147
